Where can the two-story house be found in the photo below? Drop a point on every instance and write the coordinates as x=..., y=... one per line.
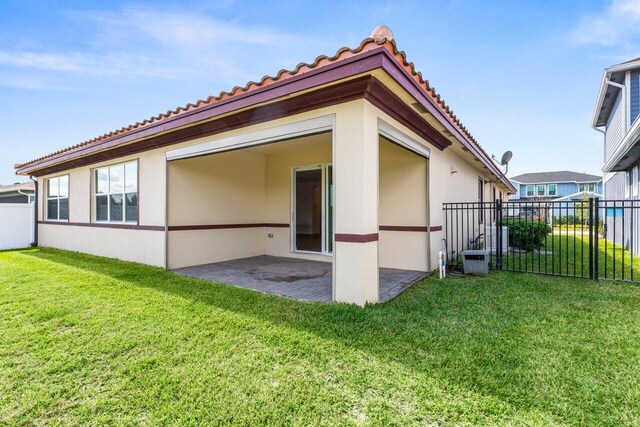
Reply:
x=556, y=186
x=616, y=117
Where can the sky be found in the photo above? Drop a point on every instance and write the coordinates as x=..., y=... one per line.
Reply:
x=522, y=76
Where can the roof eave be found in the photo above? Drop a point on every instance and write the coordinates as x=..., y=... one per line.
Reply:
x=600, y=100
x=364, y=62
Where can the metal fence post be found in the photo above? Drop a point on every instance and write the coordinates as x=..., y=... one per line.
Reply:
x=591, y=238
x=498, y=244
x=596, y=238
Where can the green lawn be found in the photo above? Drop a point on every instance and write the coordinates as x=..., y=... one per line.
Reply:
x=86, y=340
x=567, y=253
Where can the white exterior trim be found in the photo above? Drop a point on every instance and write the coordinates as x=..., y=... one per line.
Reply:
x=623, y=147
x=277, y=133
x=393, y=134
x=588, y=194
x=627, y=101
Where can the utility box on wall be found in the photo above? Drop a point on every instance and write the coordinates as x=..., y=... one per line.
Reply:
x=475, y=261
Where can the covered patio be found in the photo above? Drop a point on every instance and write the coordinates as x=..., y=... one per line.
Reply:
x=294, y=278
x=274, y=210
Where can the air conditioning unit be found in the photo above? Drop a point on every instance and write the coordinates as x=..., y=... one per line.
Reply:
x=491, y=240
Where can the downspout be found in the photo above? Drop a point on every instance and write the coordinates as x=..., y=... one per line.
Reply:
x=34, y=244
x=604, y=145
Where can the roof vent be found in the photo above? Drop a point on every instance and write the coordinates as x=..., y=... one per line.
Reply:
x=382, y=33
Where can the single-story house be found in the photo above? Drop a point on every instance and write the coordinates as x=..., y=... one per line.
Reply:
x=346, y=161
x=20, y=192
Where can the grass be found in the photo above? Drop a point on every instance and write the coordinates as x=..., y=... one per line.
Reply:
x=567, y=253
x=87, y=340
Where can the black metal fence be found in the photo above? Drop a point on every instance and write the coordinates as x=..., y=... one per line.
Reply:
x=593, y=239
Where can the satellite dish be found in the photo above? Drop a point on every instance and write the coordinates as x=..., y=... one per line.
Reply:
x=506, y=157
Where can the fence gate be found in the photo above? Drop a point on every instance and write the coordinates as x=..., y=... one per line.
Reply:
x=591, y=239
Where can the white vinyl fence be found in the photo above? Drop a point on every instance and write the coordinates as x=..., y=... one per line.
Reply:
x=16, y=225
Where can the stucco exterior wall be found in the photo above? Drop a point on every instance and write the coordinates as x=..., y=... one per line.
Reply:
x=303, y=152
x=249, y=186
x=145, y=246
x=227, y=188
x=403, y=202
x=450, y=179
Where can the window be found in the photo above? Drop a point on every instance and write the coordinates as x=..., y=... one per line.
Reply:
x=116, y=193
x=541, y=190
x=552, y=190
x=530, y=192
x=582, y=187
x=58, y=198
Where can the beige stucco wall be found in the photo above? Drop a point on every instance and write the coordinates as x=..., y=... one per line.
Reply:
x=443, y=187
x=142, y=246
x=250, y=186
x=403, y=202
x=145, y=246
x=303, y=152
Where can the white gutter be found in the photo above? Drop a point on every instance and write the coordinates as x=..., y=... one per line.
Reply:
x=603, y=86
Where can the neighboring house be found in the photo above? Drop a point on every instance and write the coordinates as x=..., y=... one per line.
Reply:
x=347, y=160
x=616, y=117
x=20, y=192
x=556, y=186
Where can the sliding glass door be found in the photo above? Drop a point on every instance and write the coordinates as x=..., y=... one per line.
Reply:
x=312, y=215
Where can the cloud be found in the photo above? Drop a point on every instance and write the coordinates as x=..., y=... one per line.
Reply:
x=617, y=25
x=186, y=29
x=110, y=64
x=137, y=42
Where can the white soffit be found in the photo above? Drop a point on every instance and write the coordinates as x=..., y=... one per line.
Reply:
x=393, y=134
x=265, y=136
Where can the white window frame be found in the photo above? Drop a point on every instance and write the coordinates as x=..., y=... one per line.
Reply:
x=533, y=190
x=325, y=194
x=544, y=190
x=555, y=189
x=108, y=194
x=58, y=198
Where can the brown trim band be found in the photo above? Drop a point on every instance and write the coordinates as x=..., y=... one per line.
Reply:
x=110, y=225
x=416, y=228
x=367, y=87
x=356, y=238
x=224, y=226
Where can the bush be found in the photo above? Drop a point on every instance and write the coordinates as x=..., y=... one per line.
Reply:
x=526, y=234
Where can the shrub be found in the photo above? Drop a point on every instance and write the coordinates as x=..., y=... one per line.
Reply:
x=526, y=234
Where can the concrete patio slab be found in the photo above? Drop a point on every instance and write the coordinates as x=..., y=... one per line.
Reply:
x=293, y=278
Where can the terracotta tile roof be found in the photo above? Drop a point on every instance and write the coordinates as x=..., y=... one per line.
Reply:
x=323, y=60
